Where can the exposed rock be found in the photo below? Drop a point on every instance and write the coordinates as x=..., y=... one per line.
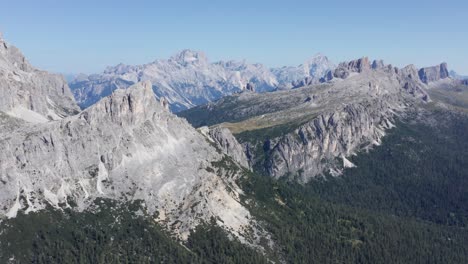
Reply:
x=328, y=77
x=345, y=68
x=125, y=147
x=434, y=73
x=31, y=94
x=306, y=130
x=312, y=69
x=410, y=81
x=185, y=80
x=305, y=82
x=249, y=87
x=188, y=79
x=359, y=65
x=229, y=145
x=378, y=64
x=312, y=148
x=164, y=103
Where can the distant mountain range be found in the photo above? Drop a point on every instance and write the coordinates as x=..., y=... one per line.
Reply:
x=188, y=78
x=455, y=75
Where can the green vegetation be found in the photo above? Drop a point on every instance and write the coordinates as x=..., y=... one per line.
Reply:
x=456, y=96
x=406, y=202
x=420, y=171
x=307, y=229
x=114, y=233
x=200, y=116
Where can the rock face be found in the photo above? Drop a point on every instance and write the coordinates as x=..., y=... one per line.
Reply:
x=310, y=72
x=185, y=80
x=345, y=68
x=189, y=79
x=250, y=87
x=125, y=147
x=312, y=148
x=309, y=131
x=434, y=73
x=31, y=94
x=224, y=139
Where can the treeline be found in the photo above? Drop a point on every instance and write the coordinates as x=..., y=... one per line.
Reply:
x=112, y=234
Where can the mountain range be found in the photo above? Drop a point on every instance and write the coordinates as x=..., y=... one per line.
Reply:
x=272, y=165
x=188, y=78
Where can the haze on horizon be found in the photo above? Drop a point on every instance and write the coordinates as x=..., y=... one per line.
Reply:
x=86, y=36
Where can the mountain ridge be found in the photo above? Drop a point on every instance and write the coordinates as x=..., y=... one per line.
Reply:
x=314, y=129
x=188, y=78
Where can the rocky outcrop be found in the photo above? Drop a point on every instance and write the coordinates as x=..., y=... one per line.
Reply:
x=378, y=64
x=185, y=80
x=228, y=144
x=249, y=87
x=310, y=72
x=434, y=73
x=409, y=80
x=31, y=94
x=304, y=82
x=313, y=148
x=313, y=130
x=345, y=68
x=126, y=147
x=328, y=77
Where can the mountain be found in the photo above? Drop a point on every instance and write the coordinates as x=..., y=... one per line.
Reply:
x=368, y=165
x=29, y=93
x=188, y=79
x=311, y=71
x=434, y=73
x=126, y=147
x=315, y=129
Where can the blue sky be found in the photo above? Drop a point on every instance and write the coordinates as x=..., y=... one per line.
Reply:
x=85, y=36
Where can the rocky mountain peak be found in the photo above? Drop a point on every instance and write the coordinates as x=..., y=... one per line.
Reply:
x=378, y=64
x=125, y=107
x=249, y=87
x=359, y=65
x=31, y=94
x=190, y=57
x=318, y=58
x=434, y=73
x=345, y=68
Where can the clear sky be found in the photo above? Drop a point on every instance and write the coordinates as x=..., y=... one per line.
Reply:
x=85, y=36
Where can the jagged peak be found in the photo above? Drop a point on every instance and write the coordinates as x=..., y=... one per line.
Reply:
x=434, y=73
x=317, y=57
x=188, y=56
x=117, y=69
x=359, y=65
x=125, y=106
